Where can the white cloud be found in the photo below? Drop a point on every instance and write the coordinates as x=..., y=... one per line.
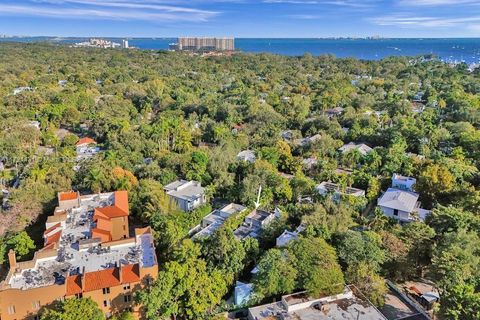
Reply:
x=438, y=2
x=125, y=4
x=108, y=12
x=344, y=3
x=424, y=21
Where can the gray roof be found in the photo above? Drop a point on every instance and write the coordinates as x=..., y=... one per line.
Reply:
x=186, y=190
x=346, y=306
x=399, y=199
x=246, y=155
x=362, y=148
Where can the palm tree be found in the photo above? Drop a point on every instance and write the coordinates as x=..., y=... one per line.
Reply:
x=95, y=180
x=378, y=221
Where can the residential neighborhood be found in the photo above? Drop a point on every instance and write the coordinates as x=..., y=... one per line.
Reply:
x=195, y=184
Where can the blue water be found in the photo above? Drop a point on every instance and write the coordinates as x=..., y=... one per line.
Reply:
x=451, y=50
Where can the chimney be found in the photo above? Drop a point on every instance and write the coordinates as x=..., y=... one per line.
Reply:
x=12, y=260
x=120, y=275
x=82, y=276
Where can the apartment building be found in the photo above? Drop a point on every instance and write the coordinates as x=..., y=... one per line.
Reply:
x=87, y=252
x=204, y=44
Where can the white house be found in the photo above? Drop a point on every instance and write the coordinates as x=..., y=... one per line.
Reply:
x=403, y=182
x=401, y=205
x=187, y=194
x=22, y=89
x=309, y=163
x=216, y=219
x=362, y=148
x=307, y=141
x=86, y=148
x=285, y=238
x=246, y=155
x=326, y=188
x=254, y=223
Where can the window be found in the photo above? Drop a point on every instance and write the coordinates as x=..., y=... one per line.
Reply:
x=36, y=305
x=78, y=295
x=127, y=298
x=106, y=303
x=11, y=309
x=106, y=290
x=126, y=286
x=395, y=212
x=37, y=317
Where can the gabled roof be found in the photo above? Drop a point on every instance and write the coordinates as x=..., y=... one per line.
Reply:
x=85, y=140
x=102, y=234
x=111, y=277
x=65, y=196
x=53, y=238
x=52, y=228
x=399, y=200
x=186, y=190
x=362, y=148
x=74, y=285
x=119, y=207
x=130, y=273
x=101, y=279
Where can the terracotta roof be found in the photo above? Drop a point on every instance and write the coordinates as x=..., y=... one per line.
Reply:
x=53, y=238
x=74, y=285
x=64, y=196
x=130, y=273
x=119, y=208
x=101, y=279
x=85, y=140
x=52, y=228
x=104, y=235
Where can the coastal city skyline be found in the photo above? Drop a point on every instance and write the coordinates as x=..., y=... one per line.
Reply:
x=242, y=18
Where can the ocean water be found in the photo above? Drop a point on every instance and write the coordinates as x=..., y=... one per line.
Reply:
x=449, y=49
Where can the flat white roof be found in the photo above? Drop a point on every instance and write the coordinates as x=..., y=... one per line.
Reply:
x=70, y=259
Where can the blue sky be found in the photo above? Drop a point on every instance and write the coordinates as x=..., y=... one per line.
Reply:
x=241, y=18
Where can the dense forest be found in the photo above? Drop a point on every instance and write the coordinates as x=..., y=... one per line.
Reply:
x=160, y=116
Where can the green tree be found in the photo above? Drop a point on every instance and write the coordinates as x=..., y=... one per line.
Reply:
x=368, y=282
x=434, y=180
x=355, y=247
x=276, y=273
x=74, y=309
x=124, y=316
x=185, y=287
x=223, y=251
x=455, y=266
x=21, y=243
x=318, y=269
x=451, y=219
x=418, y=238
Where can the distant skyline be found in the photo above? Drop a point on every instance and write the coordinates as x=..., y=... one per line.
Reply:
x=241, y=18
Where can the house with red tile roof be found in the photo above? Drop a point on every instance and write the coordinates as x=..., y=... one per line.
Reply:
x=86, y=148
x=88, y=252
x=85, y=141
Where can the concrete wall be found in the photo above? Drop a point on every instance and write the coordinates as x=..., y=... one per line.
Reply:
x=307, y=304
x=25, y=301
